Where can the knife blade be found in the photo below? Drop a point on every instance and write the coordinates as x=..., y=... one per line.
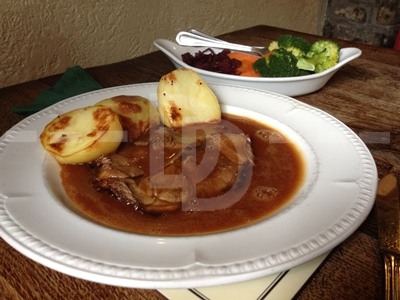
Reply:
x=388, y=219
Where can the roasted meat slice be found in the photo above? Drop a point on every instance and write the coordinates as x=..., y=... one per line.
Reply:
x=235, y=147
x=196, y=163
x=120, y=189
x=116, y=166
x=196, y=136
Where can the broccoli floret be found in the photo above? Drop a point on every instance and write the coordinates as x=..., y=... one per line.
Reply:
x=273, y=46
x=298, y=46
x=322, y=56
x=280, y=63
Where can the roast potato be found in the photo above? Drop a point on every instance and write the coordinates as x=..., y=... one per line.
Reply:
x=82, y=135
x=184, y=98
x=137, y=114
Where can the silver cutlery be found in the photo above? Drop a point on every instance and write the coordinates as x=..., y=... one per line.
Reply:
x=198, y=39
x=388, y=218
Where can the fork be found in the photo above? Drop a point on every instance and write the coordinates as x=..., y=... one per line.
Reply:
x=197, y=38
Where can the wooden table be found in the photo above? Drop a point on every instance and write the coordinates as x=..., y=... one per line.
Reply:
x=365, y=95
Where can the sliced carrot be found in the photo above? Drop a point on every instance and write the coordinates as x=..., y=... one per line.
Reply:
x=246, y=69
x=243, y=56
x=247, y=60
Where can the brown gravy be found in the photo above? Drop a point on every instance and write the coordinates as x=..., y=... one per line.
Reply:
x=278, y=174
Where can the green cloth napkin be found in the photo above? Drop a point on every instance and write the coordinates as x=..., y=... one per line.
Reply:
x=73, y=82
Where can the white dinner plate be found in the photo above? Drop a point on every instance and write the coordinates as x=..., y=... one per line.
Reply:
x=289, y=86
x=337, y=196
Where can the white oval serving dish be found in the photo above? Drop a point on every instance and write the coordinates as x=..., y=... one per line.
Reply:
x=289, y=86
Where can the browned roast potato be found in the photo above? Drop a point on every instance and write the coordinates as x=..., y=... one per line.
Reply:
x=82, y=135
x=184, y=98
x=137, y=114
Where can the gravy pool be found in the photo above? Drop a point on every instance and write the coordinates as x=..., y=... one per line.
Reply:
x=278, y=173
